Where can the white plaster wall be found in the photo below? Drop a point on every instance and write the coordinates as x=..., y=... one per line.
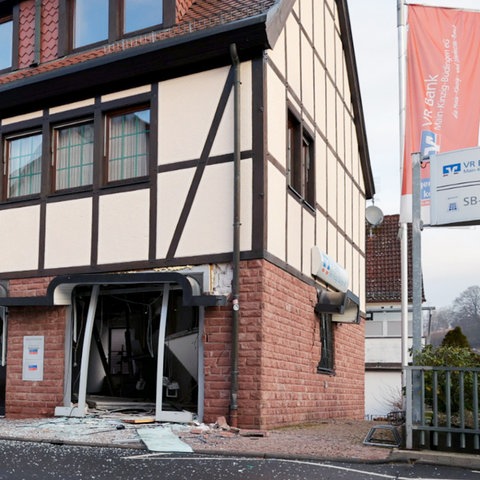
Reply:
x=276, y=118
x=209, y=228
x=277, y=54
x=308, y=241
x=307, y=76
x=172, y=188
x=293, y=54
x=276, y=216
x=22, y=118
x=320, y=96
x=123, y=233
x=382, y=390
x=72, y=106
x=321, y=234
x=126, y=93
x=19, y=239
x=330, y=42
x=223, y=143
x=187, y=107
x=318, y=29
x=294, y=237
x=68, y=233
x=321, y=178
x=332, y=186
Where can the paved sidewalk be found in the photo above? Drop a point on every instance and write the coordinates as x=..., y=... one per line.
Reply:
x=340, y=440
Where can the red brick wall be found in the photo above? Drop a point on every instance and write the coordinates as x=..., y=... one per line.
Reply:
x=182, y=7
x=26, y=34
x=279, y=349
x=35, y=399
x=49, y=31
x=28, y=287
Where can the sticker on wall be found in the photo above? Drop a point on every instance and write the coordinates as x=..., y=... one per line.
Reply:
x=33, y=356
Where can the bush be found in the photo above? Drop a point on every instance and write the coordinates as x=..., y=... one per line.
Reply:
x=448, y=356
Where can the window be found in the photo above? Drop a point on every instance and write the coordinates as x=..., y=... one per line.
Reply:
x=141, y=14
x=90, y=22
x=23, y=165
x=94, y=21
x=300, y=160
x=73, y=155
x=6, y=42
x=326, y=363
x=127, y=144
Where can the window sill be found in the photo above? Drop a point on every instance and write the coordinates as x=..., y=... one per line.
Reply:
x=326, y=371
x=124, y=183
x=301, y=199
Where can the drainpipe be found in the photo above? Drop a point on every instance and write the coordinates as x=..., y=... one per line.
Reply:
x=38, y=33
x=236, y=236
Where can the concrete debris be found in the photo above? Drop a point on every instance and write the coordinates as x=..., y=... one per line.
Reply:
x=222, y=424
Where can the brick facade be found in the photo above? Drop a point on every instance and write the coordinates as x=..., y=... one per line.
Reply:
x=279, y=349
x=27, y=398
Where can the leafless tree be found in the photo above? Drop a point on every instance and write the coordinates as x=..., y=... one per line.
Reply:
x=467, y=305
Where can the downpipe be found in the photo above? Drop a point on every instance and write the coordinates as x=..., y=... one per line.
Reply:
x=233, y=421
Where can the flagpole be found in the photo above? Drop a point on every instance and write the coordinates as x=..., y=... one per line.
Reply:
x=403, y=233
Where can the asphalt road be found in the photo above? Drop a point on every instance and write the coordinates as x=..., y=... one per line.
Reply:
x=29, y=460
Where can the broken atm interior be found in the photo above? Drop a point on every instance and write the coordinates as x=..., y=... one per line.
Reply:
x=134, y=332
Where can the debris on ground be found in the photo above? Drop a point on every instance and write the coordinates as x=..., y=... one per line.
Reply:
x=326, y=439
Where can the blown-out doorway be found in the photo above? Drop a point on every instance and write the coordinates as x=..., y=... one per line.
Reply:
x=135, y=347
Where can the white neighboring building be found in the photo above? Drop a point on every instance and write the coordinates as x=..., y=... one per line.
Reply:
x=383, y=328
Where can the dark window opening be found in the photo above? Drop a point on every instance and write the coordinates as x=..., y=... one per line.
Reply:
x=326, y=363
x=300, y=160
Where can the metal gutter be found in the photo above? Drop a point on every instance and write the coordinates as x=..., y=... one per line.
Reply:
x=134, y=66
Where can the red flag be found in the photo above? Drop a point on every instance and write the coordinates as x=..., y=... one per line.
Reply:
x=443, y=90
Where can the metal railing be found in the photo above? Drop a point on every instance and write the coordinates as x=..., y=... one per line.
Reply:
x=442, y=408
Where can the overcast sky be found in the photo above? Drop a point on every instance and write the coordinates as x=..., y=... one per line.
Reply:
x=451, y=256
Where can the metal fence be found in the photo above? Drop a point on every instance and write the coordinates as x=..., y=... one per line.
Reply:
x=442, y=409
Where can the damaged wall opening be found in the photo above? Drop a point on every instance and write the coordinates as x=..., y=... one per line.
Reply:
x=135, y=331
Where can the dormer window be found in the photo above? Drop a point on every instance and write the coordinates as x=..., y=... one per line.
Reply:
x=91, y=22
x=6, y=41
x=139, y=15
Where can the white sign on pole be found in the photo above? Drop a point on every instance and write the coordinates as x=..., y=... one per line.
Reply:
x=33, y=357
x=455, y=187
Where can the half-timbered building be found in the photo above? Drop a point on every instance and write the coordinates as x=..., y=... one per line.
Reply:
x=182, y=210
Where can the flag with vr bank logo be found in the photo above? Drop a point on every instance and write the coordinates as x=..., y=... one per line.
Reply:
x=442, y=111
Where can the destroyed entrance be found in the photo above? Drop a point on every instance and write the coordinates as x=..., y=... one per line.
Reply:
x=143, y=350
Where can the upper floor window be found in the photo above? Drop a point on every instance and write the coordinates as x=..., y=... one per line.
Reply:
x=95, y=21
x=127, y=144
x=23, y=165
x=6, y=43
x=141, y=14
x=90, y=22
x=73, y=155
x=300, y=160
